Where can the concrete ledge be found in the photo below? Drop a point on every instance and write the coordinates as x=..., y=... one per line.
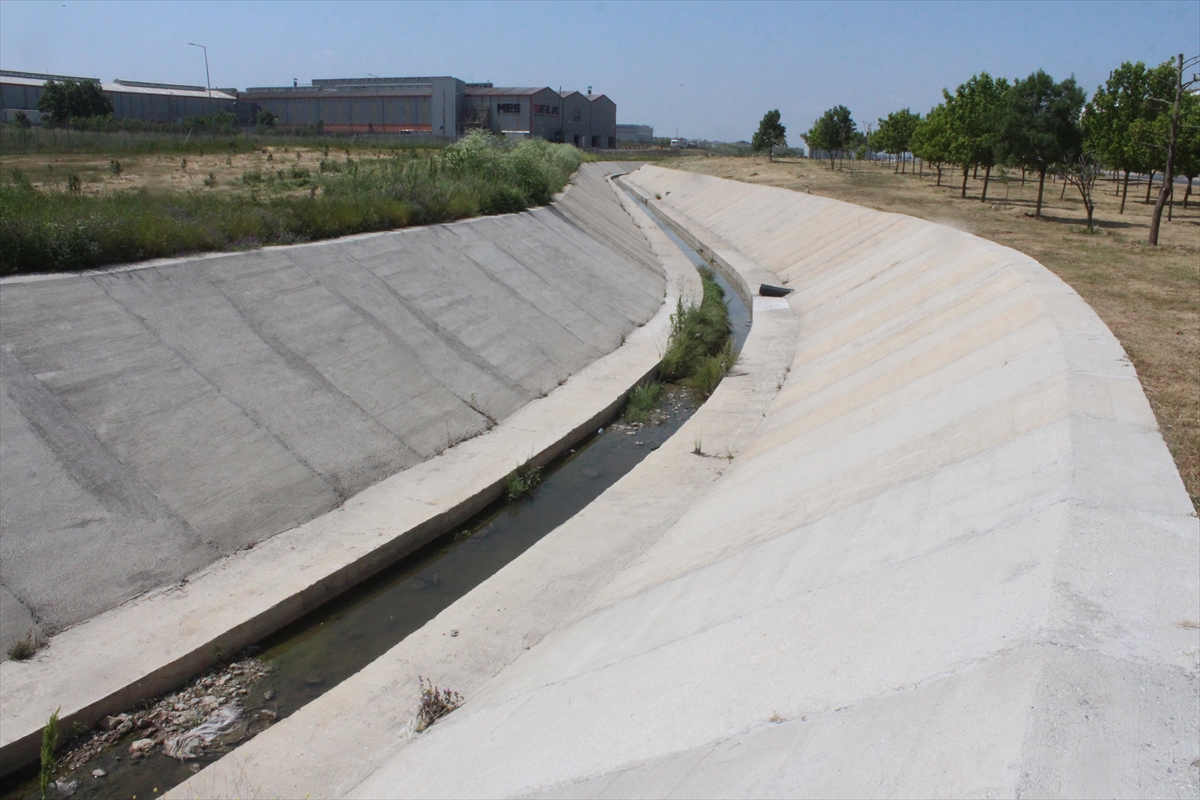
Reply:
x=155, y=642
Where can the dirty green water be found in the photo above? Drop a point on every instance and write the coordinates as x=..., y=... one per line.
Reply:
x=319, y=651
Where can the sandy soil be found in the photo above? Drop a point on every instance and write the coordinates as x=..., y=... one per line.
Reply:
x=1148, y=296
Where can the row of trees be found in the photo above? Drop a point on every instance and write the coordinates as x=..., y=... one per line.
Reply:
x=1142, y=120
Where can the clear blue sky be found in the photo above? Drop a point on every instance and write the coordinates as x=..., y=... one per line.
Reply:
x=709, y=69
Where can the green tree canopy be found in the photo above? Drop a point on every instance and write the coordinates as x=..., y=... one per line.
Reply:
x=1112, y=111
x=895, y=133
x=831, y=132
x=932, y=138
x=62, y=100
x=770, y=134
x=973, y=115
x=1039, y=125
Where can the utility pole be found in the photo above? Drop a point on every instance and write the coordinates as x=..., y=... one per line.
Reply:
x=207, y=80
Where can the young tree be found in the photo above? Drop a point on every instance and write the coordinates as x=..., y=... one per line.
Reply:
x=895, y=134
x=770, y=134
x=1082, y=174
x=931, y=140
x=973, y=116
x=1039, y=125
x=1172, y=140
x=1187, y=150
x=1111, y=117
x=62, y=100
x=832, y=132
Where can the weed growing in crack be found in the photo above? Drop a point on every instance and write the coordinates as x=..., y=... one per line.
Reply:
x=24, y=648
x=434, y=703
x=49, y=744
x=522, y=480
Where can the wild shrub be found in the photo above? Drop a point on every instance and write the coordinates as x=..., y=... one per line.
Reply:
x=698, y=331
x=434, y=703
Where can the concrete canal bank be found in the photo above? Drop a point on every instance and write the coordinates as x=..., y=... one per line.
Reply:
x=925, y=540
x=164, y=423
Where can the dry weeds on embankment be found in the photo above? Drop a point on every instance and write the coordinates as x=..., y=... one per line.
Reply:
x=1148, y=296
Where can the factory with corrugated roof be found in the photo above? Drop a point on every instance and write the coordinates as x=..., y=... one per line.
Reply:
x=443, y=108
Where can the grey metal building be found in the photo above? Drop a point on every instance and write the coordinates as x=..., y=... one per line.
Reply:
x=443, y=108
x=635, y=134
x=435, y=107
x=604, y=121
x=162, y=102
x=430, y=106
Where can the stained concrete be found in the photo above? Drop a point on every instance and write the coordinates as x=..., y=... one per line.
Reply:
x=947, y=554
x=154, y=419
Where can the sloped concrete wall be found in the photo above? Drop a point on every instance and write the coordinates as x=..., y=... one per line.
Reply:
x=155, y=418
x=955, y=559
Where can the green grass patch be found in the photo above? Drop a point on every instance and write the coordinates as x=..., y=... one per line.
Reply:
x=643, y=400
x=699, y=351
x=54, y=231
x=522, y=480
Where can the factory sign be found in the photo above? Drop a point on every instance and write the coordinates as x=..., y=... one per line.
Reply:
x=508, y=108
x=544, y=109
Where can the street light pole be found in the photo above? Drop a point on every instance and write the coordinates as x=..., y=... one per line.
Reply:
x=207, y=80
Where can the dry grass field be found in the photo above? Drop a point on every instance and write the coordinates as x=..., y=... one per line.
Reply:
x=203, y=171
x=1148, y=296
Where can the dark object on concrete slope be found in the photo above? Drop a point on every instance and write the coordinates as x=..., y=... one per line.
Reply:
x=767, y=290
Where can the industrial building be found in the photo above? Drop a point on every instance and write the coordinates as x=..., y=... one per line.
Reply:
x=163, y=102
x=440, y=107
x=431, y=107
x=635, y=134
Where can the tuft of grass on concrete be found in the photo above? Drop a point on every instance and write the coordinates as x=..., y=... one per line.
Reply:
x=522, y=480
x=24, y=648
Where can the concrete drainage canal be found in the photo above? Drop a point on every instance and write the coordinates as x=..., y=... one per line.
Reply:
x=147, y=751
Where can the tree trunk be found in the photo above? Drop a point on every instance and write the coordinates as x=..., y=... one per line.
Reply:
x=975, y=175
x=987, y=174
x=896, y=166
x=1041, y=186
x=831, y=167
x=1022, y=176
x=939, y=169
x=1188, y=193
x=1124, y=193
x=1149, y=184
x=1168, y=186
x=966, y=172
x=1063, y=193
x=1090, y=209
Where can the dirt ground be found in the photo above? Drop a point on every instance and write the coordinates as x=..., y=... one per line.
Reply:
x=1148, y=296
x=205, y=171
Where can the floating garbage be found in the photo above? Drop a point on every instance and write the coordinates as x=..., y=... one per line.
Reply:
x=185, y=746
